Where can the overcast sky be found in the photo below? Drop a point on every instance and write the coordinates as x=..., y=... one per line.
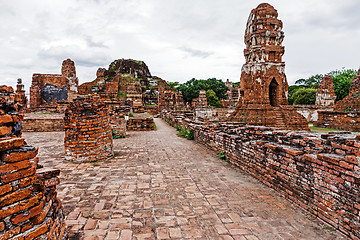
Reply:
x=178, y=40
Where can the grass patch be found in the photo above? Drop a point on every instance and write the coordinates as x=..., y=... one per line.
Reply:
x=329, y=228
x=322, y=130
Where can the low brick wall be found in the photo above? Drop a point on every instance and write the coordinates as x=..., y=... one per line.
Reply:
x=310, y=112
x=87, y=130
x=29, y=208
x=140, y=124
x=349, y=121
x=43, y=125
x=319, y=172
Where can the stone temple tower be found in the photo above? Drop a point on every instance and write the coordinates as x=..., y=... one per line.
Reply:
x=263, y=84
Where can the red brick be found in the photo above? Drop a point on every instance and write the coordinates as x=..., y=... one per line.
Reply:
x=19, y=174
x=28, y=214
x=5, y=119
x=37, y=232
x=15, y=196
x=4, y=130
x=20, y=206
x=19, y=156
x=14, y=166
x=10, y=233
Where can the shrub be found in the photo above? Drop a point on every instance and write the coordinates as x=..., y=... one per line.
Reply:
x=189, y=134
x=222, y=155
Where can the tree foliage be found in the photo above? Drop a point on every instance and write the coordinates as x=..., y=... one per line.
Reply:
x=342, y=80
x=303, y=96
x=212, y=99
x=191, y=88
x=173, y=85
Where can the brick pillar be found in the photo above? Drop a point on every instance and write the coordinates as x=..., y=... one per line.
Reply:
x=29, y=207
x=87, y=130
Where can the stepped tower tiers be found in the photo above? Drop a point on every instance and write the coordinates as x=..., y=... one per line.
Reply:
x=263, y=84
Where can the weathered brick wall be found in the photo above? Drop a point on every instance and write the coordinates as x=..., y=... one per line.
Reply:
x=349, y=121
x=140, y=124
x=319, y=172
x=43, y=125
x=47, y=89
x=29, y=208
x=87, y=130
x=310, y=112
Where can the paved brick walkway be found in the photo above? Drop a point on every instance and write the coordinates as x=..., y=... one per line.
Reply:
x=161, y=186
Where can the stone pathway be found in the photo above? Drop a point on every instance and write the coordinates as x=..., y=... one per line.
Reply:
x=161, y=186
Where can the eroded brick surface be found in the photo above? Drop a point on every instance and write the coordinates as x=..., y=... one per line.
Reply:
x=162, y=186
x=263, y=84
x=29, y=207
x=87, y=130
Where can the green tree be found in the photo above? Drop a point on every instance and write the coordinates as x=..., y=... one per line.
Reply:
x=191, y=88
x=311, y=82
x=212, y=99
x=173, y=85
x=303, y=96
x=342, y=81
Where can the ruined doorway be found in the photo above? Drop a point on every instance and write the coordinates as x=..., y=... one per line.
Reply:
x=273, y=91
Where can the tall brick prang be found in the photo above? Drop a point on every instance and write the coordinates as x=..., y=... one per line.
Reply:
x=263, y=84
x=29, y=208
x=87, y=130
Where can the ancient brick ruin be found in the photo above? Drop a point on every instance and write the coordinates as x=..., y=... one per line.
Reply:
x=263, y=84
x=48, y=90
x=129, y=83
x=346, y=114
x=352, y=101
x=87, y=130
x=319, y=172
x=325, y=95
x=169, y=99
x=20, y=94
x=200, y=101
x=29, y=208
x=233, y=94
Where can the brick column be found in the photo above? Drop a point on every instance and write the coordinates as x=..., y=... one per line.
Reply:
x=87, y=130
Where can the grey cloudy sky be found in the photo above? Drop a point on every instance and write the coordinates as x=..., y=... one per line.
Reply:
x=178, y=40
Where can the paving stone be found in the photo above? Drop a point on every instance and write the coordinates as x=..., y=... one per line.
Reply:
x=163, y=186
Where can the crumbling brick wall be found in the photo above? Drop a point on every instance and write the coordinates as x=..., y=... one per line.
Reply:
x=346, y=114
x=319, y=172
x=140, y=124
x=29, y=208
x=169, y=99
x=200, y=101
x=87, y=130
x=349, y=121
x=49, y=88
x=325, y=95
